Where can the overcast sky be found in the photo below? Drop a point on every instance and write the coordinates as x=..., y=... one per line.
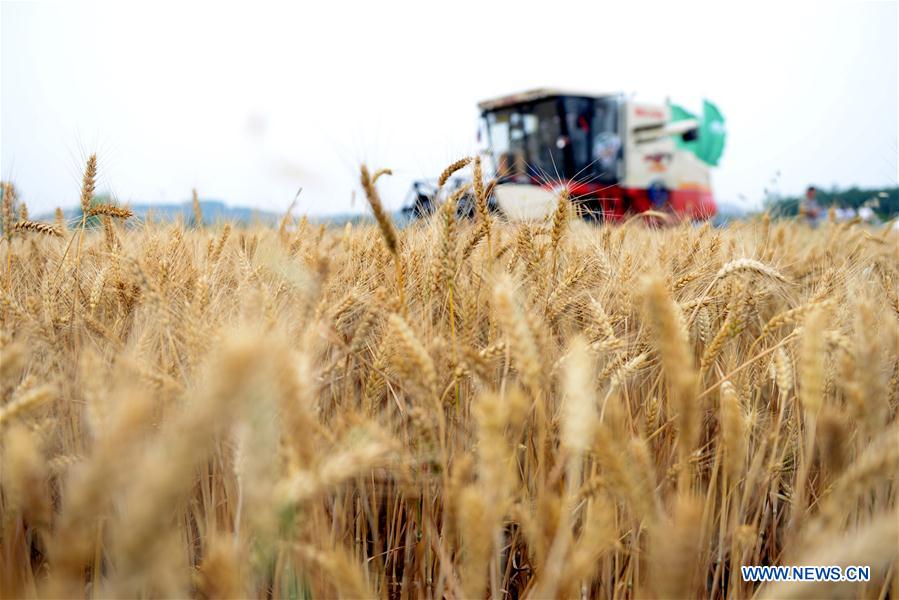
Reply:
x=247, y=102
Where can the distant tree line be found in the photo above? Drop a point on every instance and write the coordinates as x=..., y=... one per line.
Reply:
x=883, y=201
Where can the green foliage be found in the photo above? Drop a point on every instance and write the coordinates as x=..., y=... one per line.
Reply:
x=884, y=201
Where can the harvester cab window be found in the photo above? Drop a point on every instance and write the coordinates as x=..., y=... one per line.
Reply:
x=595, y=145
x=499, y=138
x=498, y=132
x=522, y=127
x=523, y=140
x=579, y=114
x=544, y=152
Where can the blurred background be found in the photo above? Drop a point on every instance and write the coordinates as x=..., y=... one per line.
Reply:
x=249, y=102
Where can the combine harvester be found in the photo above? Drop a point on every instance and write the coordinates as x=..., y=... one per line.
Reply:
x=616, y=156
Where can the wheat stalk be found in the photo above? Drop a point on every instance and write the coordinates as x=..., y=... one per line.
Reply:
x=310, y=412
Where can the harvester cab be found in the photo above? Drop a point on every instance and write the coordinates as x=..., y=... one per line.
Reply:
x=614, y=155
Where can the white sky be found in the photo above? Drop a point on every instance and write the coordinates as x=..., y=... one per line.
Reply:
x=247, y=102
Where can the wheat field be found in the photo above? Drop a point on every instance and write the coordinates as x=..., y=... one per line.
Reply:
x=458, y=408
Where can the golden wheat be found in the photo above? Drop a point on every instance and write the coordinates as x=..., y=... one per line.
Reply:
x=575, y=411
